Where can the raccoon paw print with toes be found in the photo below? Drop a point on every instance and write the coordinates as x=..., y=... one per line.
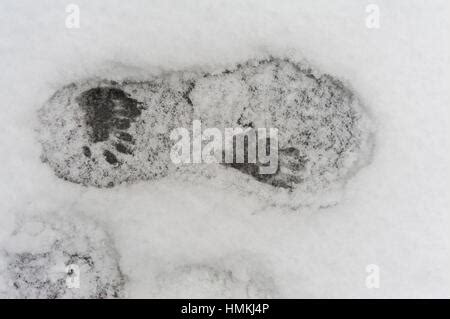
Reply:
x=109, y=113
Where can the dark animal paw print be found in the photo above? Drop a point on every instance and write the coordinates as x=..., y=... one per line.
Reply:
x=109, y=112
x=289, y=167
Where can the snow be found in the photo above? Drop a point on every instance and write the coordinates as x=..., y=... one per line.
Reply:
x=393, y=213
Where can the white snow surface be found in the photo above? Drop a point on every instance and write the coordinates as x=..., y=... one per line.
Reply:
x=394, y=212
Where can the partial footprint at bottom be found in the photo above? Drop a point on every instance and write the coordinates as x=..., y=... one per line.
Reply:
x=104, y=133
x=49, y=257
x=215, y=281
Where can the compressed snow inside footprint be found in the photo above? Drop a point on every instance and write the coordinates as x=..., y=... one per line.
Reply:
x=103, y=133
x=61, y=257
x=324, y=134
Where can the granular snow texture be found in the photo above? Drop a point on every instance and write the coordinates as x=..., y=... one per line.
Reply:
x=104, y=133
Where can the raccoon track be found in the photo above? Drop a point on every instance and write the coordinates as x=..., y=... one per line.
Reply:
x=290, y=163
x=103, y=133
x=109, y=110
x=324, y=133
